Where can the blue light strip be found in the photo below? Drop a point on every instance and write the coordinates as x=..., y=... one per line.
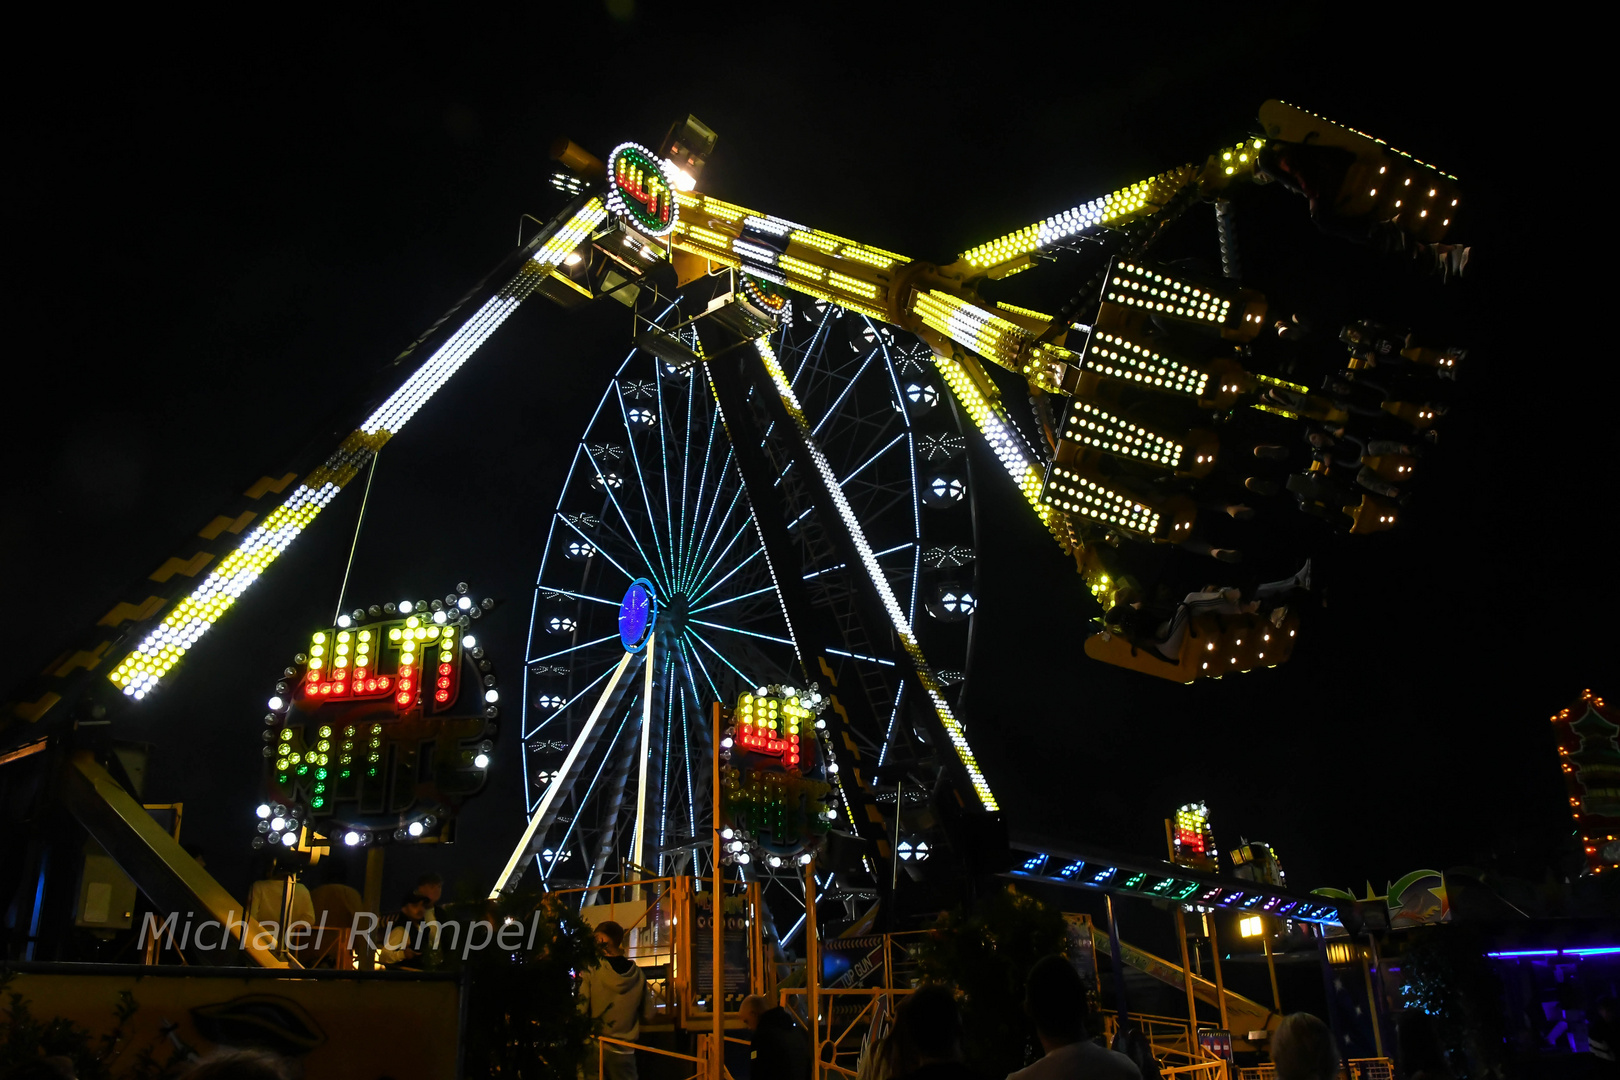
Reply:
x=1590, y=950
x=599, y=551
x=630, y=531
x=703, y=537
x=571, y=702
x=641, y=482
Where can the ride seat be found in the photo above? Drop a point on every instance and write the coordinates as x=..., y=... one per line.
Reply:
x=1215, y=645
x=1394, y=468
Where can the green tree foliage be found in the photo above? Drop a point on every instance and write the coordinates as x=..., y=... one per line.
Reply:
x=522, y=1022
x=1447, y=976
x=986, y=952
x=25, y=1037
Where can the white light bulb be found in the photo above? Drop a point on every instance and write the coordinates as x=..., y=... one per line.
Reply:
x=289, y=839
x=278, y=823
x=264, y=810
x=404, y=607
x=492, y=696
x=464, y=603
x=351, y=838
x=481, y=761
x=415, y=828
x=439, y=617
x=468, y=642
x=275, y=703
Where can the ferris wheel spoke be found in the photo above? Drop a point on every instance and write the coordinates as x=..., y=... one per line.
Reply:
x=701, y=640
x=580, y=801
x=598, y=549
x=573, y=648
x=687, y=582
x=663, y=452
x=720, y=562
x=578, y=595
x=737, y=599
x=838, y=402
x=750, y=633
x=630, y=532
x=686, y=761
x=665, y=674
x=718, y=559
x=862, y=466
x=641, y=482
x=678, y=526
x=694, y=547
x=714, y=688
x=562, y=710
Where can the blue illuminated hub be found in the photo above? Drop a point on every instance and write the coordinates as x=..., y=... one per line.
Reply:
x=638, y=611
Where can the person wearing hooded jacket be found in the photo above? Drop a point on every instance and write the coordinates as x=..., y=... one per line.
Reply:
x=615, y=992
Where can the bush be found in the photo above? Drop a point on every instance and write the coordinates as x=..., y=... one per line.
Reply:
x=986, y=953
x=521, y=1019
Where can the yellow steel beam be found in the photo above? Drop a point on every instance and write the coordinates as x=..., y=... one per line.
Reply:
x=162, y=869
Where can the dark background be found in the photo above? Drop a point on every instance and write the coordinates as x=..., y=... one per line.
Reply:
x=218, y=234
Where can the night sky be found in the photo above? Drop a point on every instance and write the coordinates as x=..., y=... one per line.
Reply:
x=217, y=238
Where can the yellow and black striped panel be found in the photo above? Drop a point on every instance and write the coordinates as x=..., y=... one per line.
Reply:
x=146, y=599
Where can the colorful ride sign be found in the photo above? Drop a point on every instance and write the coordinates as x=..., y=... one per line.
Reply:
x=641, y=188
x=381, y=729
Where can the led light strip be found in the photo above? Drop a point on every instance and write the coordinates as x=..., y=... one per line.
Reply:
x=998, y=432
x=1120, y=358
x=1028, y=313
x=908, y=638
x=1079, y=495
x=1095, y=426
x=1143, y=197
x=991, y=337
x=140, y=671
x=1137, y=286
x=392, y=414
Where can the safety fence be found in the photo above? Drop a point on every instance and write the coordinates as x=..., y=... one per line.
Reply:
x=1374, y=1068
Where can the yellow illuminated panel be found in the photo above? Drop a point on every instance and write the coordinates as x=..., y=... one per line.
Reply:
x=1140, y=199
x=800, y=267
x=998, y=433
x=1119, y=357
x=880, y=581
x=1094, y=426
x=1028, y=313
x=724, y=210
x=991, y=337
x=852, y=285
x=1140, y=287
x=707, y=236
x=562, y=243
x=1069, y=490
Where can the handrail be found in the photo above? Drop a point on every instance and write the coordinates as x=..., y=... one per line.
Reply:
x=605, y=1040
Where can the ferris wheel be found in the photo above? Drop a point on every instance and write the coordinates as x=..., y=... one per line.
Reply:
x=654, y=553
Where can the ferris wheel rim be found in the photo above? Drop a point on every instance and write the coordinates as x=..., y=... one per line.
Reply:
x=690, y=654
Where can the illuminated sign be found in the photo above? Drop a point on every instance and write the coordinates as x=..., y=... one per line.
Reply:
x=1192, y=837
x=766, y=296
x=638, y=613
x=777, y=795
x=381, y=728
x=642, y=189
